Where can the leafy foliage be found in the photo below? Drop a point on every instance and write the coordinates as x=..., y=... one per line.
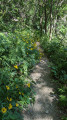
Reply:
x=56, y=50
x=18, y=55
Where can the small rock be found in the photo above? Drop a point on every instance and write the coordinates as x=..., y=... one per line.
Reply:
x=52, y=95
x=46, y=111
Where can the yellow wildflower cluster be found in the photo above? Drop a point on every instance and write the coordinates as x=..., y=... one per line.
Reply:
x=41, y=55
x=9, y=99
x=4, y=109
x=21, y=93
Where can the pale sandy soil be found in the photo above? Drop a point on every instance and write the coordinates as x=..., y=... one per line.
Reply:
x=45, y=106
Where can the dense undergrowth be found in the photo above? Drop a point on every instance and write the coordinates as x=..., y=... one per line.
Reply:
x=18, y=54
x=56, y=51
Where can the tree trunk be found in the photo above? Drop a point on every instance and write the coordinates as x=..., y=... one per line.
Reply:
x=45, y=21
x=56, y=18
x=41, y=19
x=51, y=21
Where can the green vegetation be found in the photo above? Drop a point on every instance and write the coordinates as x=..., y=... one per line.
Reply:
x=56, y=50
x=22, y=23
x=18, y=55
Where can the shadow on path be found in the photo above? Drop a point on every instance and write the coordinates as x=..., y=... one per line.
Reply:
x=45, y=107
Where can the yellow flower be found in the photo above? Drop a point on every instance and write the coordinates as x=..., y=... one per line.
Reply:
x=27, y=53
x=10, y=106
x=16, y=66
x=28, y=84
x=31, y=48
x=3, y=110
x=17, y=104
x=7, y=98
x=10, y=99
x=16, y=86
x=7, y=87
x=20, y=93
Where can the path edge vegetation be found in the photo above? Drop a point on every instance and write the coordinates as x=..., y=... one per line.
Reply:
x=57, y=55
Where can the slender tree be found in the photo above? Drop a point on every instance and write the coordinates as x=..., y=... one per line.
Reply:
x=45, y=20
x=51, y=20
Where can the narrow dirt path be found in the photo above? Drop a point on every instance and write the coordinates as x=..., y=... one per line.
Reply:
x=45, y=107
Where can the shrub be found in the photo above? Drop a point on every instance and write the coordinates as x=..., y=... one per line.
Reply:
x=57, y=53
x=18, y=55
